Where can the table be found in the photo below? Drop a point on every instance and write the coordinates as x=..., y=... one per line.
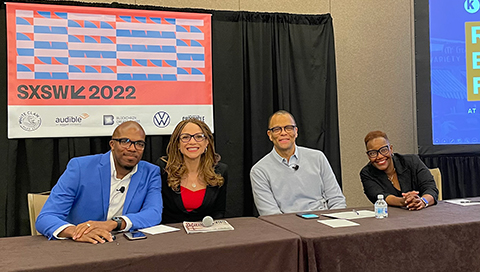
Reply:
x=444, y=237
x=254, y=245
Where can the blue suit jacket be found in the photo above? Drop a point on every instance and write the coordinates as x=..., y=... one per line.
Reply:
x=83, y=193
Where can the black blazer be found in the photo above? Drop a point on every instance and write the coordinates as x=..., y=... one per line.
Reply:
x=213, y=203
x=412, y=175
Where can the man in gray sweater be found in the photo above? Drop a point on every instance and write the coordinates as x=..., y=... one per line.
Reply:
x=292, y=178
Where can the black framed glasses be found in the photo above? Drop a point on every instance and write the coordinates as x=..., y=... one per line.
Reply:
x=384, y=150
x=288, y=129
x=185, y=137
x=126, y=143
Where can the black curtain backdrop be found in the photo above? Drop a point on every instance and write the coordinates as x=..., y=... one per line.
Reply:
x=262, y=62
x=460, y=173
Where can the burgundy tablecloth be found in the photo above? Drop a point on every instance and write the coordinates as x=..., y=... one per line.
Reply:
x=254, y=245
x=444, y=237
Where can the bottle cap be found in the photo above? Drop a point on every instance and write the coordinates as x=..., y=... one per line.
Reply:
x=379, y=197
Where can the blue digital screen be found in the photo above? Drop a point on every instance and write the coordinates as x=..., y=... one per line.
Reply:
x=309, y=215
x=455, y=119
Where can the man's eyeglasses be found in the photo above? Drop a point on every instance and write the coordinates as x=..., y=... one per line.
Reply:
x=185, y=138
x=277, y=130
x=384, y=150
x=126, y=143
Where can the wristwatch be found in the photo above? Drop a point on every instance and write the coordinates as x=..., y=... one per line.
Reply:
x=425, y=201
x=119, y=222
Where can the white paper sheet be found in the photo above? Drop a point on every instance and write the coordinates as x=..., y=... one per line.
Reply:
x=338, y=223
x=158, y=229
x=463, y=202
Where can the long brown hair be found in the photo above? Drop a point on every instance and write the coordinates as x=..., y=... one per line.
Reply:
x=176, y=169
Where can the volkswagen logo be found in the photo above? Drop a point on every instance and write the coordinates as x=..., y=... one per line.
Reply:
x=161, y=119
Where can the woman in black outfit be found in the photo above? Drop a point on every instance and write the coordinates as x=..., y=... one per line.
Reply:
x=193, y=181
x=403, y=180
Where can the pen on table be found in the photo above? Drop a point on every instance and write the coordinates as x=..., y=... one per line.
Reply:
x=355, y=211
x=469, y=201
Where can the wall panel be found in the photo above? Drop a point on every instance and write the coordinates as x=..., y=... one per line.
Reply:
x=204, y=4
x=301, y=7
x=374, y=70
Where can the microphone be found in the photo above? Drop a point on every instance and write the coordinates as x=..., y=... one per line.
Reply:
x=295, y=167
x=207, y=221
x=121, y=190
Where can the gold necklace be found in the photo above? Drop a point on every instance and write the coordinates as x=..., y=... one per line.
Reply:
x=191, y=182
x=390, y=178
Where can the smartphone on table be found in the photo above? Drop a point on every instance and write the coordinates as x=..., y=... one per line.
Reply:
x=135, y=235
x=307, y=215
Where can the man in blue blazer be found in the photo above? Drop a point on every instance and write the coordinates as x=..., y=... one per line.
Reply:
x=101, y=193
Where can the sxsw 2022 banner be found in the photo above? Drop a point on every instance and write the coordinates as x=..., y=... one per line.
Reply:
x=81, y=71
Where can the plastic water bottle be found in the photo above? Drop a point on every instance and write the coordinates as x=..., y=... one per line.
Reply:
x=381, y=208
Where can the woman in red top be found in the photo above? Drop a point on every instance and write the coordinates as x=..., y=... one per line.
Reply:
x=193, y=181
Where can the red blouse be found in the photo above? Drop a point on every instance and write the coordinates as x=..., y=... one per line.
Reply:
x=192, y=199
